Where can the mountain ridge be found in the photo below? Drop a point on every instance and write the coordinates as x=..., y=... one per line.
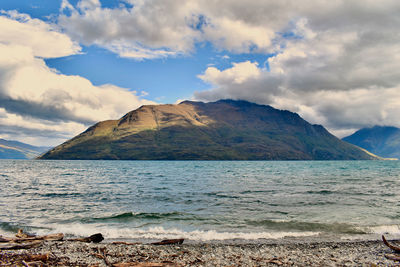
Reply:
x=383, y=141
x=10, y=149
x=221, y=130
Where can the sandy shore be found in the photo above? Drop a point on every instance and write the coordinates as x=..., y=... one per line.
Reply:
x=67, y=253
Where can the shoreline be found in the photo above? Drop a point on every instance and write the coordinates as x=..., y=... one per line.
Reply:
x=296, y=253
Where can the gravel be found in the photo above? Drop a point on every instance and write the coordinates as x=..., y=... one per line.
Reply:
x=67, y=253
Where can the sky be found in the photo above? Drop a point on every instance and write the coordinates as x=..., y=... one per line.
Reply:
x=67, y=64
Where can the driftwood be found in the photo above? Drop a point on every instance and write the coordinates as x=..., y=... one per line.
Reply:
x=276, y=261
x=24, y=241
x=38, y=257
x=104, y=254
x=30, y=260
x=96, y=238
x=125, y=243
x=33, y=263
x=51, y=237
x=145, y=264
x=169, y=242
x=393, y=247
x=393, y=257
x=4, y=239
x=13, y=245
x=21, y=234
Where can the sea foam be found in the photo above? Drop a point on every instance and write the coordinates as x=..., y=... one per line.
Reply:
x=163, y=233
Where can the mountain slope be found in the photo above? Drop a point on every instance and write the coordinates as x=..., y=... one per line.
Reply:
x=380, y=140
x=18, y=150
x=222, y=130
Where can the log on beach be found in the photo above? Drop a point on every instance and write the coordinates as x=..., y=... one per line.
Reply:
x=51, y=237
x=126, y=243
x=393, y=257
x=393, y=247
x=146, y=264
x=169, y=242
x=27, y=259
x=21, y=234
x=96, y=238
x=22, y=237
x=26, y=241
x=26, y=245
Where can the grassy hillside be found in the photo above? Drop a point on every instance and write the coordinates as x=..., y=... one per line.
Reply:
x=222, y=130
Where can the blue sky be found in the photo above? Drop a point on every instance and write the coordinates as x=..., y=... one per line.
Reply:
x=165, y=80
x=67, y=64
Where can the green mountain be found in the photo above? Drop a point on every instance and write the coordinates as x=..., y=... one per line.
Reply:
x=18, y=150
x=380, y=140
x=222, y=130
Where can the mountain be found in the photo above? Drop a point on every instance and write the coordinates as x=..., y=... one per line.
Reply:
x=222, y=130
x=380, y=140
x=18, y=150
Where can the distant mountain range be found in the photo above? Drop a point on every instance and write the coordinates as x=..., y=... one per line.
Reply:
x=18, y=150
x=383, y=141
x=222, y=130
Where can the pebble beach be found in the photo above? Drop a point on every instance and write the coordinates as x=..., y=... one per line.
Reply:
x=67, y=253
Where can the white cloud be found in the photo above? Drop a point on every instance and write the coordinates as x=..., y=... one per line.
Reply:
x=40, y=37
x=148, y=30
x=341, y=109
x=239, y=73
x=36, y=131
x=238, y=36
x=325, y=52
x=341, y=79
x=337, y=67
x=161, y=28
x=38, y=100
x=335, y=62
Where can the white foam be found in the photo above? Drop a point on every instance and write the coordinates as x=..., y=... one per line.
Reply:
x=374, y=232
x=5, y=233
x=161, y=233
x=383, y=229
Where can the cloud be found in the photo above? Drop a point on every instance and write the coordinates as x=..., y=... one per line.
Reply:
x=42, y=38
x=37, y=99
x=162, y=28
x=239, y=73
x=342, y=72
x=36, y=131
x=238, y=36
x=334, y=62
x=147, y=30
x=331, y=59
x=244, y=80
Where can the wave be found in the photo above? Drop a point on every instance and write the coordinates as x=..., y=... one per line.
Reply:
x=376, y=231
x=321, y=192
x=11, y=228
x=383, y=229
x=282, y=225
x=128, y=216
x=61, y=195
x=162, y=233
x=6, y=227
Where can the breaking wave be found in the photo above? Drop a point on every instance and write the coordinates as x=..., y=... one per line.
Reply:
x=163, y=233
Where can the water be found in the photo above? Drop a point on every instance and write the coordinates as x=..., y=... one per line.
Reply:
x=201, y=200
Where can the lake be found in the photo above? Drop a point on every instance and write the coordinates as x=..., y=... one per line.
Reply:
x=201, y=200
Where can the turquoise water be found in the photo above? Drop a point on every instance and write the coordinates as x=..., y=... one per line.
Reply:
x=201, y=200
